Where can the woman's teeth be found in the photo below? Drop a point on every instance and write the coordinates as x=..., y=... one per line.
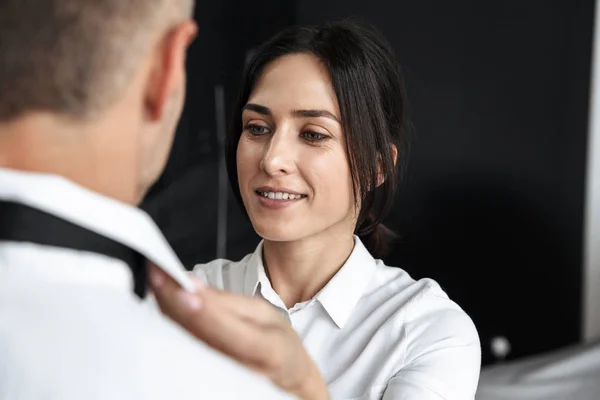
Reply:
x=281, y=195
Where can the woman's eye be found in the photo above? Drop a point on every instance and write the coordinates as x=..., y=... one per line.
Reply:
x=313, y=136
x=256, y=129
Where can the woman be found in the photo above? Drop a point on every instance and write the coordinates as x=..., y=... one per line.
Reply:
x=317, y=139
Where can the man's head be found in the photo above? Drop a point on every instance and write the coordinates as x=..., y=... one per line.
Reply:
x=106, y=77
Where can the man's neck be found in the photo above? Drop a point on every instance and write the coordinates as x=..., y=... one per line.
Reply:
x=46, y=144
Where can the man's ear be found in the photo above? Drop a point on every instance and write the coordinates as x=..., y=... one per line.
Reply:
x=168, y=73
x=380, y=172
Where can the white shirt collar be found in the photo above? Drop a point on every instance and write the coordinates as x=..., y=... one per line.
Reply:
x=108, y=217
x=339, y=296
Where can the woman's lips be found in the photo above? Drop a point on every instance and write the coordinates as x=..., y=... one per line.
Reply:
x=279, y=199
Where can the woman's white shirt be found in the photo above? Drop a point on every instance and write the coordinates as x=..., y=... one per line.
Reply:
x=373, y=331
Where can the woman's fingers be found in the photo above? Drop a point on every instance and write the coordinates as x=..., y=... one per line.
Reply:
x=243, y=328
x=229, y=331
x=172, y=299
x=249, y=330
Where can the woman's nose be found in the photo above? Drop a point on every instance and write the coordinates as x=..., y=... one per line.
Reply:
x=278, y=157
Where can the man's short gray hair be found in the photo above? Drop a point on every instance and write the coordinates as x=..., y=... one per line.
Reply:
x=73, y=57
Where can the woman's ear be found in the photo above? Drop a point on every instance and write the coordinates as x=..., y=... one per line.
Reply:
x=380, y=170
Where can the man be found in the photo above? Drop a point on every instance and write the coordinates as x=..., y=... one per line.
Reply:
x=90, y=95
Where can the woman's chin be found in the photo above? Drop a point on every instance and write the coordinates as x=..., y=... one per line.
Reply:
x=277, y=234
x=277, y=237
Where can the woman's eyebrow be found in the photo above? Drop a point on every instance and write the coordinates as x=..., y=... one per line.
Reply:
x=297, y=113
x=316, y=114
x=257, y=108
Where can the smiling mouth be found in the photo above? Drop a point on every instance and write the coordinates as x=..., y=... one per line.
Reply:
x=280, y=195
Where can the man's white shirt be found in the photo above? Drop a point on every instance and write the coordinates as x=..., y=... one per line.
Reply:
x=71, y=326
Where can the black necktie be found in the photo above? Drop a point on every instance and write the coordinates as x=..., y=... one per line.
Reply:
x=21, y=223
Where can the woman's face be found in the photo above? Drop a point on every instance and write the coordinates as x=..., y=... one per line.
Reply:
x=291, y=160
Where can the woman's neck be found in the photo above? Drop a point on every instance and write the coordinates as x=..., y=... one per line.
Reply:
x=298, y=270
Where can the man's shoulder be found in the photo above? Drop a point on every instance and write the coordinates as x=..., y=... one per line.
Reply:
x=194, y=369
x=183, y=367
x=77, y=342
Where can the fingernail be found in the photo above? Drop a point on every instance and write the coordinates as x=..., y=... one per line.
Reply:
x=157, y=278
x=189, y=300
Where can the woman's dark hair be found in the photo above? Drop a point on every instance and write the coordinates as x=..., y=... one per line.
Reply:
x=369, y=88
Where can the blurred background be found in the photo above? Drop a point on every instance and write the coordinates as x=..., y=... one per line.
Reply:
x=493, y=207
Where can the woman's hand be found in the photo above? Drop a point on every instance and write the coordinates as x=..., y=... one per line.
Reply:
x=250, y=330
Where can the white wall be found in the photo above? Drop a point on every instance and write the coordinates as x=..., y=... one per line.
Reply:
x=591, y=273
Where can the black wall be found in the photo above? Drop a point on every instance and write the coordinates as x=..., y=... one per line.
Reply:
x=493, y=205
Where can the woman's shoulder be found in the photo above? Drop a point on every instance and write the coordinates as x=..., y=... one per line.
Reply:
x=222, y=264
x=433, y=310
x=223, y=273
x=436, y=338
x=424, y=305
x=433, y=330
